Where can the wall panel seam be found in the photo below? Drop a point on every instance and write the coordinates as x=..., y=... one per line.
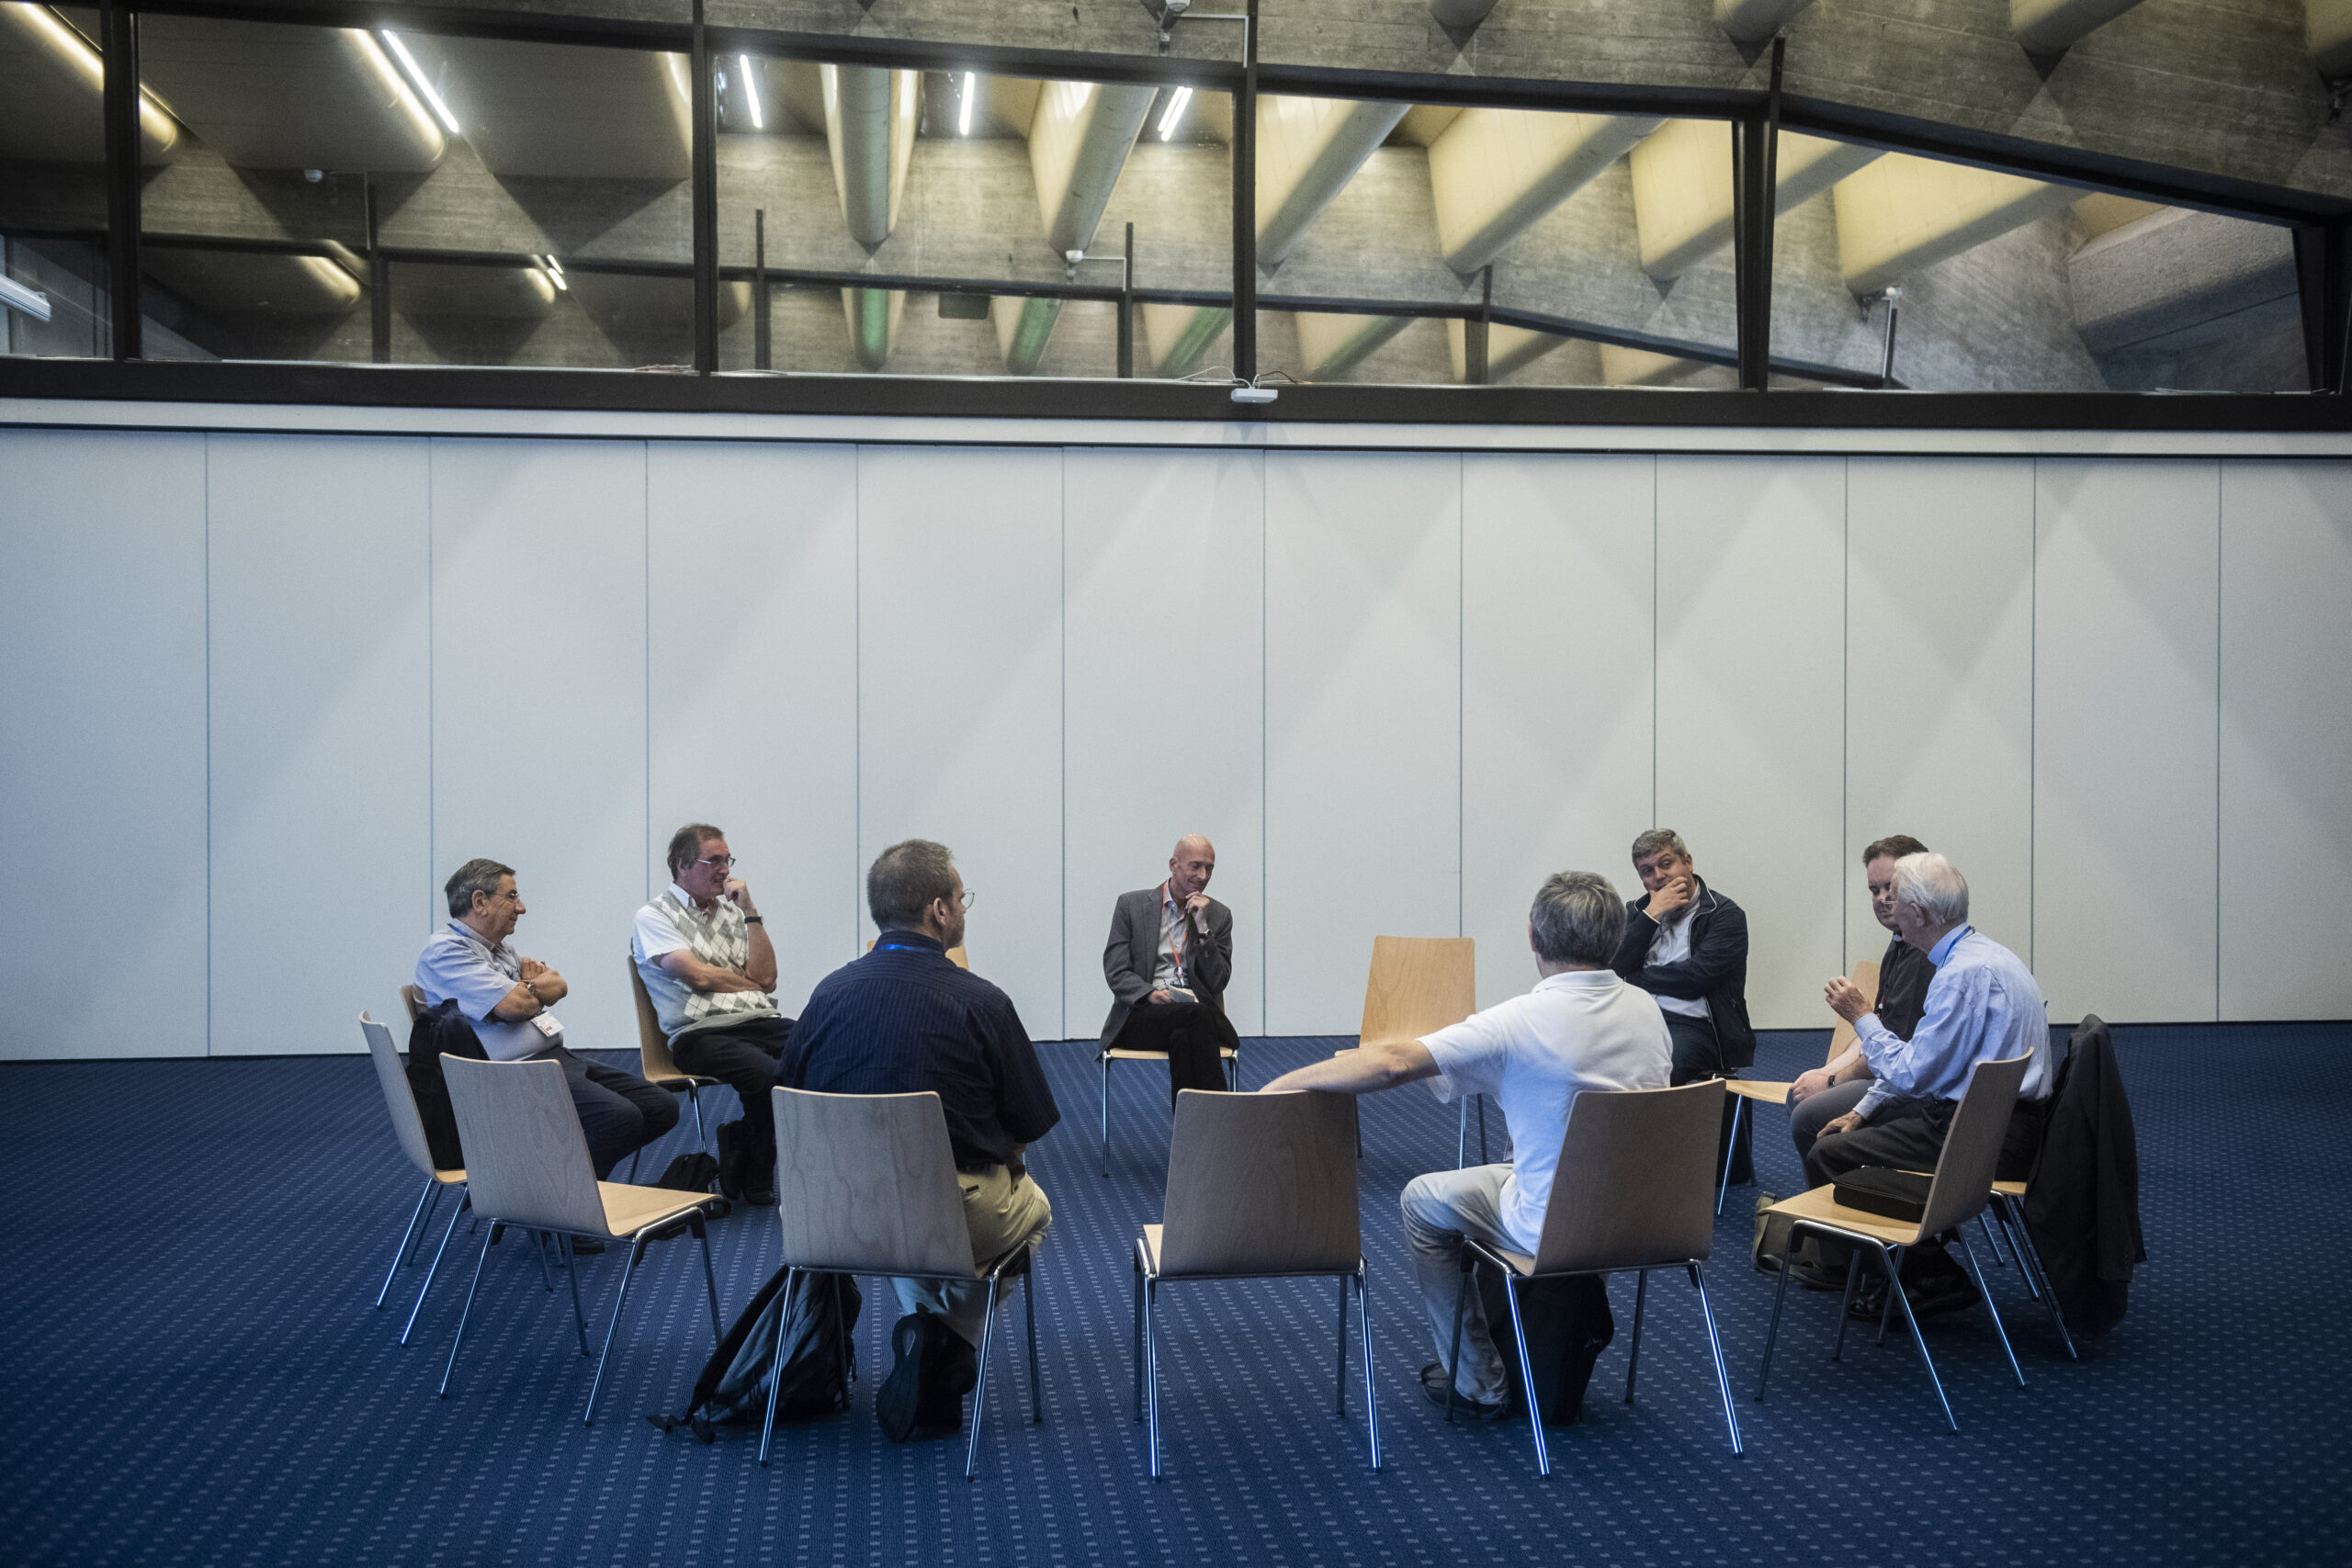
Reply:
x=207, y=745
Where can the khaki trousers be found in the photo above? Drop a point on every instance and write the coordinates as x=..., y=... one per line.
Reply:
x=1002, y=1212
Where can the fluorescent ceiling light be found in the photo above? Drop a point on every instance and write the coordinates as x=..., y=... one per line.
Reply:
x=750, y=93
x=1175, y=112
x=555, y=273
x=964, y=116
x=415, y=74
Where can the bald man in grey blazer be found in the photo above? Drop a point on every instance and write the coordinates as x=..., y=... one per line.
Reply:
x=1168, y=961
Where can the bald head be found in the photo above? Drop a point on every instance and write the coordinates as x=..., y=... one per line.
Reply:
x=1189, y=868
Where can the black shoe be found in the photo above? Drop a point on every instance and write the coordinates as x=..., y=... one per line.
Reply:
x=1952, y=1294
x=1434, y=1383
x=586, y=1246
x=952, y=1371
x=1869, y=1301
x=1814, y=1277
x=900, y=1399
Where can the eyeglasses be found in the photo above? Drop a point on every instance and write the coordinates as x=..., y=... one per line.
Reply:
x=965, y=900
x=725, y=863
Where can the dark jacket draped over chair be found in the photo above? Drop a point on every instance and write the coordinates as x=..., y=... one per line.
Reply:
x=2083, y=1204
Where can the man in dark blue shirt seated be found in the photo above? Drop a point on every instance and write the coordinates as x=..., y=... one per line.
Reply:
x=902, y=1019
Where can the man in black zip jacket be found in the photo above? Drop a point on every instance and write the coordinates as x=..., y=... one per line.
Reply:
x=1687, y=945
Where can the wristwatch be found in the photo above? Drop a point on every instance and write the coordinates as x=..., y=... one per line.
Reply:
x=755, y=920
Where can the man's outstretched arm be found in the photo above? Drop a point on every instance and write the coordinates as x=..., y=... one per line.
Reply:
x=1365, y=1071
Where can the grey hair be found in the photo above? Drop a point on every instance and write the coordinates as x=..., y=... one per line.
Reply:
x=1934, y=884
x=1579, y=918
x=1659, y=839
x=474, y=876
x=903, y=881
x=687, y=842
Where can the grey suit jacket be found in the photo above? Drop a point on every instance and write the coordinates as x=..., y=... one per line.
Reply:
x=1133, y=951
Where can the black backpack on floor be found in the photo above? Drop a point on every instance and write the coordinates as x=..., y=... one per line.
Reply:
x=820, y=1316
x=1568, y=1326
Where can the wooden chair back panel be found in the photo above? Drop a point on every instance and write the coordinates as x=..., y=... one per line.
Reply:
x=1841, y=1033
x=1261, y=1184
x=391, y=1076
x=412, y=998
x=526, y=1159
x=1417, y=985
x=867, y=1181
x=652, y=1045
x=1636, y=1179
x=1963, y=1181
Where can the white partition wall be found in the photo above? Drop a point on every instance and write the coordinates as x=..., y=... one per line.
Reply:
x=2126, y=627
x=959, y=595
x=1558, y=756
x=1940, y=681
x=539, y=699
x=1364, y=722
x=1163, y=685
x=2286, y=894
x=1750, y=706
x=321, y=735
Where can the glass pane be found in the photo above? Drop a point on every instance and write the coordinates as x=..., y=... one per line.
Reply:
x=1382, y=225
x=956, y=193
x=52, y=184
x=1957, y=278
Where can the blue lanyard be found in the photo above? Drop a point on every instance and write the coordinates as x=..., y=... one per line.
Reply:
x=901, y=947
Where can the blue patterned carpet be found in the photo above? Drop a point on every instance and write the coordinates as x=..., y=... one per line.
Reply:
x=194, y=1374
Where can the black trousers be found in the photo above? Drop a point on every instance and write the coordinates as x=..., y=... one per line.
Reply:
x=1195, y=1035
x=619, y=1113
x=1913, y=1139
x=742, y=1056
x=1698, y=1056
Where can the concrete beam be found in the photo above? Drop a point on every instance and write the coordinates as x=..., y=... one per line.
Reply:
x=1307, y=150
x=1753, y=21
x=278, y=97
x=873, y=315
x=2046, y=27
x=2173, y=270
x=1178, y=337
x=2327, y=31
x=1494, y=172
x=1682, y=186
x=1024, y=328
x=1078, y=140
x=1507, y=348
x=1904, y=213
x=565, y=112
x=870, y=127
x=1331, y=344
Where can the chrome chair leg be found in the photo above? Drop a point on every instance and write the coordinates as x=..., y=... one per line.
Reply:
x=1633, y=1350
x=1029, y=1305
x=1106, y=1060
x=1151, y=1370
x=1731, y=1151
x=2000, y=1208
x=1894, y=1288
x=426, y=1289
x=776, y=1359
x=579, y=1318
x=1985, y=1223
x=709, y=1280
x=1846, y=1302
x=539, y=1251
x=1976, y=1271
x=459, y=1337
x=1138, y=1341
x=1772, y=1331
x=1527, y=1376
x=980, y=1380
x=620, y=1304
x=1342, y=1404
x=1715, y=1344
x=2029, y=1261
x=419, y=1217
x=694, y=1099
x=1371, y=1402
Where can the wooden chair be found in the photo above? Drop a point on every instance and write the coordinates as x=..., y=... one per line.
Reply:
x=1766, y=1091
x=527, y=1166
x=408, y=1127
x=865, y=1184
x=1260, y=1186
x=1957, y=1194
x=1416, y=985
x=412, y=998
x=655, y=1066
x=1629, y=1193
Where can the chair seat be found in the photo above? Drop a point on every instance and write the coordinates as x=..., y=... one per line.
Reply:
x=1758, y=1088
x=457, y=1178
x=674, y=1082
x=2009, y=1189
x=1821, y=1204
x=629, y=1209
x=1122, y=1054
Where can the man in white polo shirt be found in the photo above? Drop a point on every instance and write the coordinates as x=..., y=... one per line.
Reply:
x=1580, y=1028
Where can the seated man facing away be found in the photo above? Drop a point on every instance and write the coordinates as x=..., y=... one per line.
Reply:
x=1983, y=1005
x=902, y=1019
x=703, y=951
x=1168, y=961
x=506, y=997
x=1580, y=1028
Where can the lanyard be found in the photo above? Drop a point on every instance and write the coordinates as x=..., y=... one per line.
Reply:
x=1183, y=936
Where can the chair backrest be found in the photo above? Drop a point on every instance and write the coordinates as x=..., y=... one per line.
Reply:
x=1417, y=985
x=652, y=1045
x=1963, y=1179
x=412, y=998
x=867, y=1181
x=1841, y=1034
x=391, y=1076
x=1635, y=1183
x=1261, y=1184
x=955, y=956
x=526, y=1159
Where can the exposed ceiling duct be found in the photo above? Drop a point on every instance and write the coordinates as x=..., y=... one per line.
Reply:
x=1494, y=172
x=1308, y=149
x=1682, y=186
x=2327, y=30
x=1330, y=343
x=873, y=316
x=1507, y=348
x=2045, y=27
x=1024, y=328
x=247, y=283
x=265, y=95
x=53, y=80
x=870, y=125
x=1753, y=21
x=1178, y=337
x=564, y=111
x=1460, y=15
x=1904, y=213
x=1078, y=140
x=495, y=293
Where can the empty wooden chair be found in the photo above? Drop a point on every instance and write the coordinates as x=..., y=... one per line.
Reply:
x=655, y=1067
x=1961, y=1184
x=1772, y=1092
x=408, y=1127
x=1629, y=1193
x=527, y=1165
x=1260, y=1186
x=865, y=1184
x=1416, y=985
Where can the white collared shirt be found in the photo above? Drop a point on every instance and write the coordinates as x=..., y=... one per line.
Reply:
x=1672, y=945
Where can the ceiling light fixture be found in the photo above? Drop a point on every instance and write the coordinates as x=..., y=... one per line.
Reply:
x=554, y=274
x=750, y=93
x=963, y=115
x=415, y=74
x=1176, y=106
